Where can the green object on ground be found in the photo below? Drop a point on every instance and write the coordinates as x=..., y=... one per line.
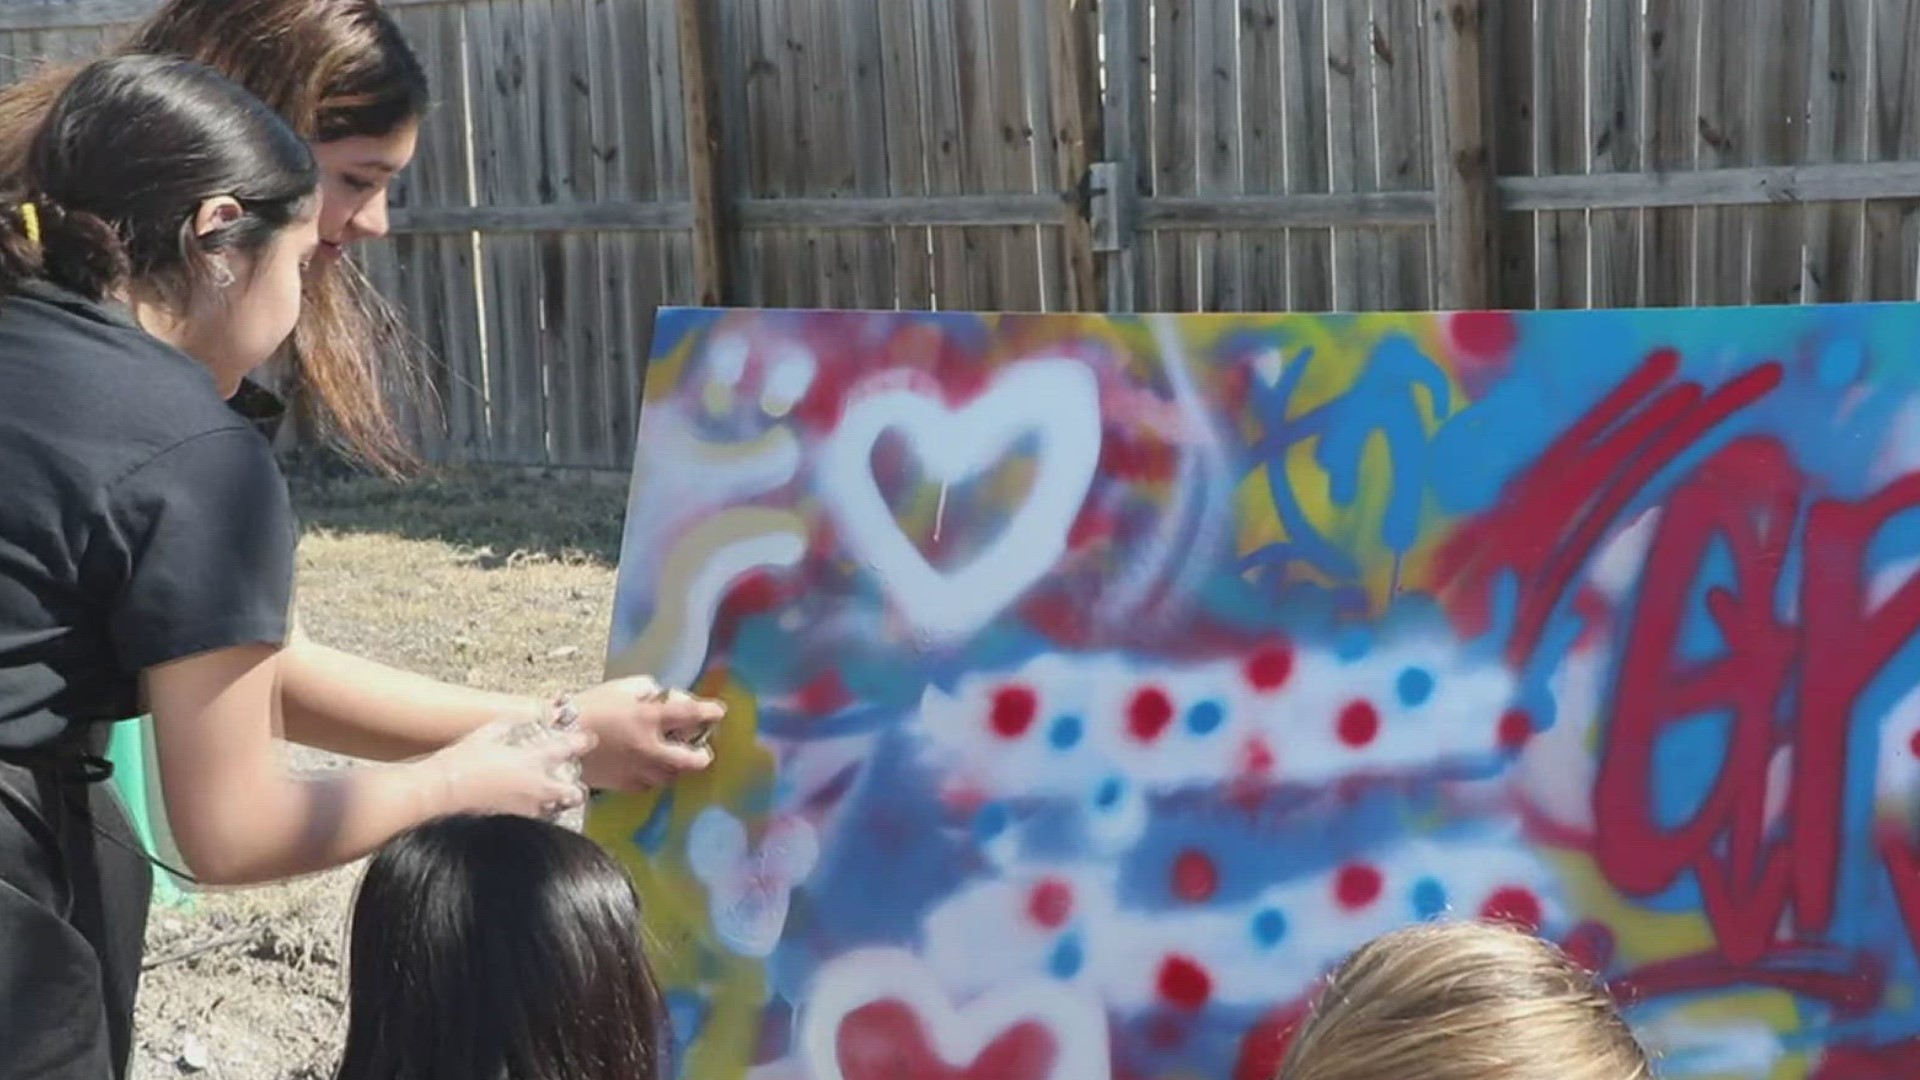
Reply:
x=127, y=749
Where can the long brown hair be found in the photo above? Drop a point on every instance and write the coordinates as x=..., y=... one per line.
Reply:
x=1463, y=1001
x=333, y=69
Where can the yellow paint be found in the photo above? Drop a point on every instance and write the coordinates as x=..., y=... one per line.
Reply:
x=655, y=645
x=684, y=942
x=1258, y=519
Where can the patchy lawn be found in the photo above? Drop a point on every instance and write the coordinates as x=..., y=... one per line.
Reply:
x=483, y=579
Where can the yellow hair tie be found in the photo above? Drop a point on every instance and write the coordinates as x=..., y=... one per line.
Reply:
x=30, y=220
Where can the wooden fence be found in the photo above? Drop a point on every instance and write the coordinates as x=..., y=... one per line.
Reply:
x=591, y=159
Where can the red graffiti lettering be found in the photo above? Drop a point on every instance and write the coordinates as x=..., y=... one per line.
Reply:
x=1578, y=488
x=1781, y=683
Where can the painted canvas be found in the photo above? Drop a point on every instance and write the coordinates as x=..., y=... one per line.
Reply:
x=1098, y=682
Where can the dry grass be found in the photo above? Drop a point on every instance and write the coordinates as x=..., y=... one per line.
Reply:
x=498, y=582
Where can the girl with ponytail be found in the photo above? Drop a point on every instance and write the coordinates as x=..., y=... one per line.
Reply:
x=153, y=247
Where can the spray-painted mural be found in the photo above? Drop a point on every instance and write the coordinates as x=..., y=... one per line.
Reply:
x=1096, y=683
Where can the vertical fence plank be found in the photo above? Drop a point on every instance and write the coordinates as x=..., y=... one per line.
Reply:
x=1722, y=141
x=571, y=398
x=1221, y=256
x=1013, y=59
x=1615, y=125
x=905, y=129
x=1839, y=67
x=867, y=129
x=1310, y=252
x=1124, y=124
x=1464, y=208
x=1073, y=93
x=1895, y=131
x=700, y=101
x=819, y=41
x=1511, y=31
x=1404, y=160
x=1264, y=149
x=1342, y=55
x=1175, y=283
x=1671, y=102
x=1777, y=95
x=1036, y=166
x=1560, y=146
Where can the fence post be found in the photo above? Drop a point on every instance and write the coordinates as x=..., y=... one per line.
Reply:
x=700, y=97
x=1466, y=237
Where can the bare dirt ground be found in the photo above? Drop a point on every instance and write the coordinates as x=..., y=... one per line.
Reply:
x=503, y=583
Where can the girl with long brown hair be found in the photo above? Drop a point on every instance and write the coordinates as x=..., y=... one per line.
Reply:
x=341, y=73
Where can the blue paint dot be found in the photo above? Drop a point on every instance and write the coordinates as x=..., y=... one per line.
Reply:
x=1840, y=365
x=1065, y=732
x=1429, y=898
x=1067, y=957
x=1353, y=643
x=989, y=822
x=1269, y=927
x=1205, y=718
x=1415, y=686
x=1108, y=796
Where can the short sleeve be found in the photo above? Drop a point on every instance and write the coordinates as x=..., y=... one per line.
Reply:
x=200, y=539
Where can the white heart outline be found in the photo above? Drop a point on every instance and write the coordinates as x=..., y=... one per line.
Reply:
x=958, y=1035
x=1055, y=398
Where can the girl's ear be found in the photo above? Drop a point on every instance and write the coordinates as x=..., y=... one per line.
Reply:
x=216, y=213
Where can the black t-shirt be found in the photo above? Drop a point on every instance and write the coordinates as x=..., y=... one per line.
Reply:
x=141, y=519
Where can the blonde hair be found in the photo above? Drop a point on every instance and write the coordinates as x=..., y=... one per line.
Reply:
x=1463, y=1001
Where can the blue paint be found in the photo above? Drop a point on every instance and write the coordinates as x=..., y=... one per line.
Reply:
x=1065, y=732
x=990, y=821
x=1414, y=686
x=1107, y=796
x=1353, y=642
x=1429, y=898
x=1067, y=958
x=1841, y=364
x=651, y=836
x=1205, y=717
x=1269, y=927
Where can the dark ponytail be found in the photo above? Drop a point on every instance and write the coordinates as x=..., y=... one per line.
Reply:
x=131, y=149
x=77, y=251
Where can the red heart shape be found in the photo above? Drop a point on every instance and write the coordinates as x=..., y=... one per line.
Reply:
x=885, y=1040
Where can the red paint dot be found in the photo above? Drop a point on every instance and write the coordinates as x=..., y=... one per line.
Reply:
x=1513, y=905
x=1050, y=904
x=1269, y=669
x=1913, y=745
x=1485, y=333
x=1184, y=982
x=1516, y=727
x=1257, y=758
x=1149, y=714
x=1014, y=708
x=1195, y=878
x=1359, y=724
x=1356, y=886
